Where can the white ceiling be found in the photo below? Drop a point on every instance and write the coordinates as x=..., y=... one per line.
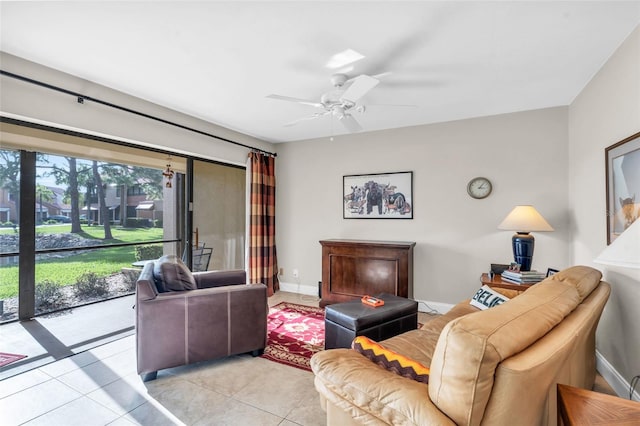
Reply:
x=219, y=60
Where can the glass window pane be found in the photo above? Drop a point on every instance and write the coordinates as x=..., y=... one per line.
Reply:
x=8, y=287
x=84, y=203
x=9, y=199
x=9, y=233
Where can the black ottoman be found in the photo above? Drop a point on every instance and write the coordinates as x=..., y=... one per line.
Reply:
x=344, y=321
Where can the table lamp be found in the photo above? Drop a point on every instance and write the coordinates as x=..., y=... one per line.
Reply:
x=623, y=251
x=523, y=220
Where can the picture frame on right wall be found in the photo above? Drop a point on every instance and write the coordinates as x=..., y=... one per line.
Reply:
x=622, y=169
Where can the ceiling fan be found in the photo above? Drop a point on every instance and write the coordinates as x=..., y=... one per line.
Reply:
x=340, y=102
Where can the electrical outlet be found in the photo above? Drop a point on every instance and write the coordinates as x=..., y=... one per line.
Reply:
x=281, y=272
x=296, y=274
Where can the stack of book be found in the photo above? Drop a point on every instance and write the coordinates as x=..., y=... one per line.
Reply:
x=523, y=277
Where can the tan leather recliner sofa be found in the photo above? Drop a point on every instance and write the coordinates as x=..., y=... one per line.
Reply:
x=499, y=366
x=220, y=316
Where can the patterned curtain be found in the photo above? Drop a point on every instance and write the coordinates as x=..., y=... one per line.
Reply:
x=262, y=261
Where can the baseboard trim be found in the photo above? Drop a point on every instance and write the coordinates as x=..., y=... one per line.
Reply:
x=308, y=290
x=611, y=375
x=430, y=307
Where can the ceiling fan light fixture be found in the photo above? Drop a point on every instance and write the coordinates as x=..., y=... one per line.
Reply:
x=339, y=79
x=339, y=103
x=343, y=58
x=331, y=98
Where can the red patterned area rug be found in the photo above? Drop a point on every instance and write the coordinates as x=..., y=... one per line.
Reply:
x=6, y=358
x=296, y=332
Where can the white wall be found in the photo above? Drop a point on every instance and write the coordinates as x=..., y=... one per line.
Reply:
x=524, y=155
x=605, y=112
x=21, y=99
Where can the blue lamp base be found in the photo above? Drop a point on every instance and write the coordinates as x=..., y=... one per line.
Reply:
x=523, y=243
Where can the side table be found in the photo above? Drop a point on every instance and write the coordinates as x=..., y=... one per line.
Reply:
x=497, y=281
x=584, y=407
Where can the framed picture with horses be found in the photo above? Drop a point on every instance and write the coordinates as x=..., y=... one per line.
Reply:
x=378, y=196
x=623, y=185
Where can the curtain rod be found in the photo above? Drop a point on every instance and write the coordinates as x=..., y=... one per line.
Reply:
x=81, y=98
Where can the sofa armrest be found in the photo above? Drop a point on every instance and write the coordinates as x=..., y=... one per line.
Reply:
x=145, y=286
x=371, y=394
x=208, y=279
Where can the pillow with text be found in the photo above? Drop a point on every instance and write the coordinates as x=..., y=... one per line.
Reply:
x=487, y=297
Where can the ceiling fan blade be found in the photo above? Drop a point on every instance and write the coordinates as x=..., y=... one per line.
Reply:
x=351, y=124
x=382, y=75
x=297, y=100
x=379, y=76
x=360, y=86
x=310, y=117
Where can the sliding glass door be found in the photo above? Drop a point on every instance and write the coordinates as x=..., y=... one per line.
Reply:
x=80, y=216
x=95, y=223
x=218, y=216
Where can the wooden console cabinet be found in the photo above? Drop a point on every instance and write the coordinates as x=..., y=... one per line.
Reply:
x=353, y=268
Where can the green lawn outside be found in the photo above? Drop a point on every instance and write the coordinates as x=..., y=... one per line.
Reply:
x=120, y=235
x=65, y=271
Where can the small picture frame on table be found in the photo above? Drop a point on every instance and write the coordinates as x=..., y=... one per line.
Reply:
x=551, y=271
x=514, y=267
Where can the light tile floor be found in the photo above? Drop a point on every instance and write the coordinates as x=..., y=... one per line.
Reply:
x=57, y=336
x=100, y=387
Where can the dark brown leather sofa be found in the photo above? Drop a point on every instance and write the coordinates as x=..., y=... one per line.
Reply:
x=220, y=315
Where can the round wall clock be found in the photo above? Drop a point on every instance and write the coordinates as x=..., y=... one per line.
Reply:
x=479, y=187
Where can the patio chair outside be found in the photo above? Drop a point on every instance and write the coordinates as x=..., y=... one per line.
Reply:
x=200, y=259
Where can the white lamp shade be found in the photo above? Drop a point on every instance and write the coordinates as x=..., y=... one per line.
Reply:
x=525, y=219
x=623, y=251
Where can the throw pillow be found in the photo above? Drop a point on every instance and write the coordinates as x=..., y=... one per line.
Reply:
x=487, y=297
x=390, y=360
x=171, y=274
